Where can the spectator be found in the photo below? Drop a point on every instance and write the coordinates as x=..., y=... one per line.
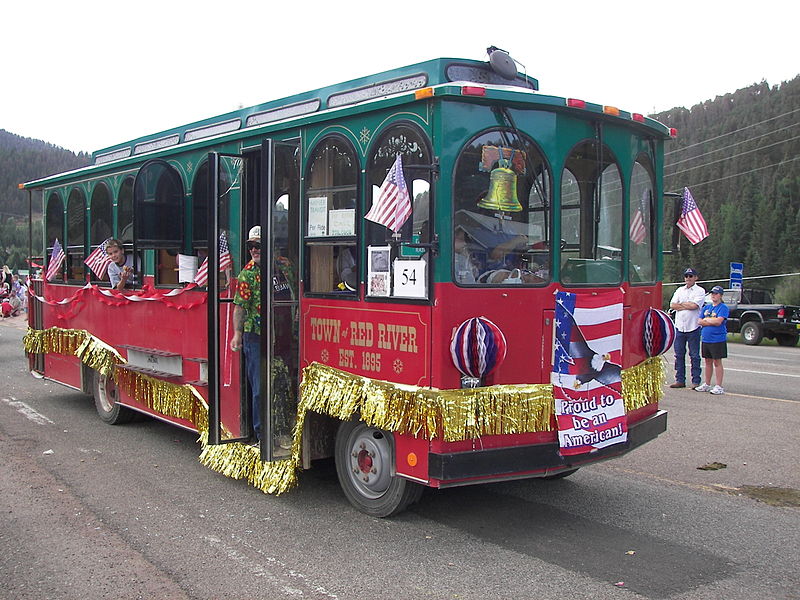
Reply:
x=686, y=302
x=714, y=337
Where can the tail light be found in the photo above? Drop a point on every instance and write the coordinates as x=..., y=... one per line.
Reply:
x=781, y=313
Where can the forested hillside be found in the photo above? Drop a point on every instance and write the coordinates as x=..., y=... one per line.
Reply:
x=738, y=154
x=23, y=159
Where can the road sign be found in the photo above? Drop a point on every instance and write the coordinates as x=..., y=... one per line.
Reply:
x=737, y=273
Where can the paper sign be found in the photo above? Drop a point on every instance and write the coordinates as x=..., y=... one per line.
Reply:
x=317, y=216
x=409, y=279
x=342, y=222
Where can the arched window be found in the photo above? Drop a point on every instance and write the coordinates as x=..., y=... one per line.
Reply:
x=76, y=236
x=642, y=257
x=125, y=211
x=591, y=216
x=54, y=226
x=411, y=144
x=100, y=219
x=501, y=225
x=331, y=227
x=199, y=209
x=158, y=217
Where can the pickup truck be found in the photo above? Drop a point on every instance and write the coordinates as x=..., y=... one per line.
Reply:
x=754, y=314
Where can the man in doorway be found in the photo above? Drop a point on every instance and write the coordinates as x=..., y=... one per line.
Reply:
x=686, y=302
x=247, y=322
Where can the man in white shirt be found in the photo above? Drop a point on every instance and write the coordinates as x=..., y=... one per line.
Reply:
x=687, y=302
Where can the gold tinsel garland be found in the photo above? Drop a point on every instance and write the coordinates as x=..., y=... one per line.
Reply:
x=451, y=415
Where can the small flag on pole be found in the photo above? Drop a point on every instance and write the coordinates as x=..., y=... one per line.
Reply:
x=56, y=260
x=393, y=205
x=691, y=222
x=225, y=261
x=99, y=260
x=638, y=232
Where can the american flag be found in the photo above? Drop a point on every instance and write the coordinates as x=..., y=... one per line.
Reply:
x=99, y=260
x=638, y=232
x=586, y=377
x=393, y=206
x=691, y=222
x=225, y=261
x=56, y=260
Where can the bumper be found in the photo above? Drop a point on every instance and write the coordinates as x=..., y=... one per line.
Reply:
x=540, y=460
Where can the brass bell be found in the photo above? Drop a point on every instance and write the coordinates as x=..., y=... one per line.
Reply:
x=502, y=194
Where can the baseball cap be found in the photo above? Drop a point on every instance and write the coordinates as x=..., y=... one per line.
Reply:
x=255, y=234
x=717, y=289
x=690, y=271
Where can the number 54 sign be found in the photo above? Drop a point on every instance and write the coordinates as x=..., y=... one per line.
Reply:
x=408, y=278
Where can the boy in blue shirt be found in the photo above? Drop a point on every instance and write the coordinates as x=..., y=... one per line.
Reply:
x=714, y=337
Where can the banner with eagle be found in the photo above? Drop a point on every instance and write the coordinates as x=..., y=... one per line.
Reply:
x=587, y=368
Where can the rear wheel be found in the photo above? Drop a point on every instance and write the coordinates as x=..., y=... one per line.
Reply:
x=752, y=333
x=105, y=394
x=786, y=339
x=364, y=461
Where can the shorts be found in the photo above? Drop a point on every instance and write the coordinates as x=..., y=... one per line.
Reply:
x=715, y=350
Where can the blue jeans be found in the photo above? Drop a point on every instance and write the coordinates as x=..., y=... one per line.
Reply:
x=251, y=345
x=692, y=339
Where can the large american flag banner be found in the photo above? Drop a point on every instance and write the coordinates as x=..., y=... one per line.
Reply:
x=393, y=205
x=225, y=261
x=638, y=231
x=99, y=260
x=56, y=260
x=586, y=377
x=691, y=222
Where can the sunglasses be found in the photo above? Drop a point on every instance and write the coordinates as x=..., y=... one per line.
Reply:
x=254, y=245
x=688, y=276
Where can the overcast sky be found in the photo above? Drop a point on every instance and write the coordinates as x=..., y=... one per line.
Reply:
x=85, y=75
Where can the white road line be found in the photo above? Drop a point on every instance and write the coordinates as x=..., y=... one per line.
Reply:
x=280, y=581
x=761, y=372
x=770, y=358
x=27, y=411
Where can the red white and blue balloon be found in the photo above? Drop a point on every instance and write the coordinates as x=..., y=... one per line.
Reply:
x=477, y=347
x=658, y=332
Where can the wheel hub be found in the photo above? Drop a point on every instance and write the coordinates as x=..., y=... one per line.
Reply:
x=370, y=461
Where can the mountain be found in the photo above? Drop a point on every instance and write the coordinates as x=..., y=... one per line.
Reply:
x=24, y=159
x=739, y=154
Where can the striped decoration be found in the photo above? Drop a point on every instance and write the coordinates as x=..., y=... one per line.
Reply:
x=477, y=347
x=658, y=332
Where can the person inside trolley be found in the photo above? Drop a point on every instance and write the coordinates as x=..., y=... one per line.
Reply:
x=121, y=273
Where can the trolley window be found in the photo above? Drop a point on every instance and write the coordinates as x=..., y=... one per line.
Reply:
x=642, y=256
x=330, y=230
x=502, y=195
x=591, y=216
x=76, y=235
x=397, y=261
x=54, y=226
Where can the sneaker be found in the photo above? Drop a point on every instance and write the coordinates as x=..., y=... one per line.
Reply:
x=678, y=384
x=703, y=387
x=717, y=390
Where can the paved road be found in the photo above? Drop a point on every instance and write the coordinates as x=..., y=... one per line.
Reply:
x=128, y=512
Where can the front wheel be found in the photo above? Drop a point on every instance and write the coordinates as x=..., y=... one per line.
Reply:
x=105, y=394
x=364, y=461
x=786, y=339
x=752, y=333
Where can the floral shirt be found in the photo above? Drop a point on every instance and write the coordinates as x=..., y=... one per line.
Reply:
x=248, y=296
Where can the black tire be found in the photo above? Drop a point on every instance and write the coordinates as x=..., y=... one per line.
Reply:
x=786, y=339
x=752, y=333
x=561, y=475
x=364, y=465
x=105, y=393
